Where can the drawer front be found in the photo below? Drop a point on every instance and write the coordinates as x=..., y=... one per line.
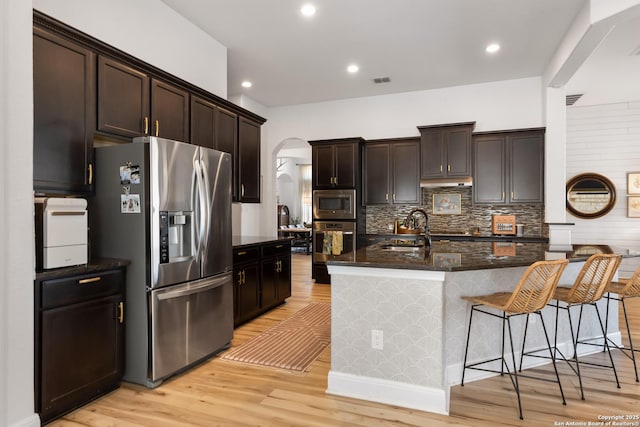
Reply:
x=249, y=254
x=71, y=290
x=281, y=248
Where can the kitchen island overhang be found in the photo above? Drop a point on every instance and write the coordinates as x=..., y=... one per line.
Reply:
x=413, y=300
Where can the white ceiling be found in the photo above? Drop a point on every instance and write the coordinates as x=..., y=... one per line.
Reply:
x=418, y=44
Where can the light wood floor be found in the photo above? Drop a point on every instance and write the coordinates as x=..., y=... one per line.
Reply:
x=221, y=393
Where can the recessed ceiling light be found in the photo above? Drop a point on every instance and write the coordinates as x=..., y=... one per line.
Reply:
x=353, y=68
x=308, y=10
x=493, y=48
x=247, y=83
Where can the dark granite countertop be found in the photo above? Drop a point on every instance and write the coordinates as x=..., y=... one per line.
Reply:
x=95, y=265
x=239, y=241
x=469, y=255
x=465, y=237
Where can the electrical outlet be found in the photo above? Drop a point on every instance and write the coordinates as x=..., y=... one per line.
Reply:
x=377, y=339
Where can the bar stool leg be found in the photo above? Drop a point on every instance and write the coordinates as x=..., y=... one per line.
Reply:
x=606, y=344
x=524, y=340
x=574, y=340
x=514, y=378
x=502, y=363
x=553, y=359
x=626, y=321
x=466, y=348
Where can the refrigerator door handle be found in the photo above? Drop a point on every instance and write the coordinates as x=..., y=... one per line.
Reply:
x=195, y=288
x=201, y=209
x=206, y=223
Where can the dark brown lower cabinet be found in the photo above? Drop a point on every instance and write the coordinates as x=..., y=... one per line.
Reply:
x=246, y=284
x=262, y=278
x=79, y=340
x=276, y=274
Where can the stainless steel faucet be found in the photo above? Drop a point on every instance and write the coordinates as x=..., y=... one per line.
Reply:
x=409, y=218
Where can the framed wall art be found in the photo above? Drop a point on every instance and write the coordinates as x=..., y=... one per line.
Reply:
x=633, y=206
x=447, y=204
x=633, y=183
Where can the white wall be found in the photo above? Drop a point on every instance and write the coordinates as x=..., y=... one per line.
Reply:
x=151, y=31
x=605, y=139
x=16, y=211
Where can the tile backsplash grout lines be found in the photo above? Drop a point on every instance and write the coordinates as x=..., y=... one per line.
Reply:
x=532, y=216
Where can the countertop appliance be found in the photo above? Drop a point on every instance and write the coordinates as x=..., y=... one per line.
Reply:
x=61, y=232
x=503, y=224
x=166, y=206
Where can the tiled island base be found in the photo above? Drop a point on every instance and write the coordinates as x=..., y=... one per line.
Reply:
x=423, y=323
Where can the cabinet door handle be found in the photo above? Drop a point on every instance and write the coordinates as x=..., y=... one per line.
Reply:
x=503, y=195
x=91, y=280
x=394, y=197
x=440, y=168
x=512, y=195
x=386, y=197
x=157, y=127
x=335, y=180
x=90, y=173
x=448, y=168
x=121, y=309
x=146, y=125
x=244, y=277
x=241, y=190
x=242, y=253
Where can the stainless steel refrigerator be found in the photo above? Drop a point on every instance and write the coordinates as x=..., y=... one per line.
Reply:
x=166, y=206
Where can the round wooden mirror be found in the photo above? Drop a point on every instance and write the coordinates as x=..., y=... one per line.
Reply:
x=590, y=195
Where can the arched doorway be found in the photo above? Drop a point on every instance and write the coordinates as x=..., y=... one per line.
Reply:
x=291, y=165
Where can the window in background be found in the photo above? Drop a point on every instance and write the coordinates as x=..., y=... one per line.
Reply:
x=305, y=193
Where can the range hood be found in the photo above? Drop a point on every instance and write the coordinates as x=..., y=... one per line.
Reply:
x=461, y=181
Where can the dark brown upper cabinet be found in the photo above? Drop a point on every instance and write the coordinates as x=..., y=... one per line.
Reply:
x=446, y=150
x=336, y=163
x=392, y=171
x=203, y=122
x=226, y=138
x=119, y=96
x=123, y=99
x=169, y=111
x=248, y=161
x=64, y=115
x=509, y=167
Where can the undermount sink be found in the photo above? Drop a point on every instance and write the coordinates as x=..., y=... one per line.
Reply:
x=402, y=246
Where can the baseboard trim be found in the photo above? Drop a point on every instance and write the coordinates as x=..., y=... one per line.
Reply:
x=410, y=396
x=30, y=421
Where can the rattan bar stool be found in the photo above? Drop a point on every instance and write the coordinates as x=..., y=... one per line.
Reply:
x=531, y=295
x=624, y=290
x=587, y=289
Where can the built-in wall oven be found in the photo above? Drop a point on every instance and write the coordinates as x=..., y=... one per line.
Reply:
x=332, y=239
x=334, y=205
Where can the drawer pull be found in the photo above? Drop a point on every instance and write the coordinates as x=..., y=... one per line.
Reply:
x=91, y=280
x=242, y=253
x=121, y=308
x=279, y=246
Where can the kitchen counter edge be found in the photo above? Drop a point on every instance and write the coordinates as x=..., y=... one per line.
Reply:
x=95, y=265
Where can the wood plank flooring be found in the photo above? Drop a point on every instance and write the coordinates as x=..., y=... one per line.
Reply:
x=221, y=393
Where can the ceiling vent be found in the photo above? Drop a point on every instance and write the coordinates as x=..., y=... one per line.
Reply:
x=380, y=80
x=571, y=99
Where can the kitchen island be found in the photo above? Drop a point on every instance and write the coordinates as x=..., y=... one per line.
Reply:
x=405, y=301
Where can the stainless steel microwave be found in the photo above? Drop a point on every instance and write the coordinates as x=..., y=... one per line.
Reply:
x=334, y=204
